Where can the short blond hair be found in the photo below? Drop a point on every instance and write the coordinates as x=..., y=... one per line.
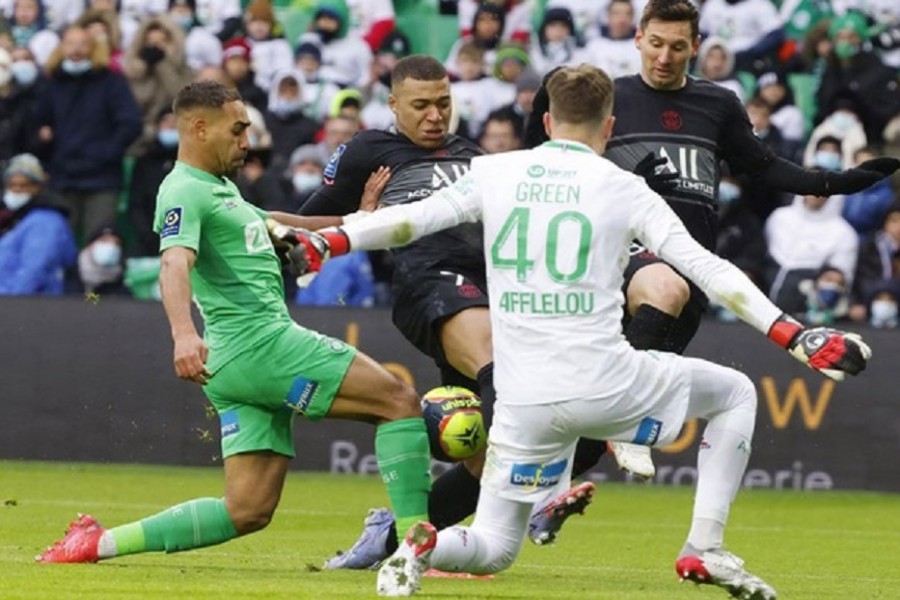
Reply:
x=580, y=95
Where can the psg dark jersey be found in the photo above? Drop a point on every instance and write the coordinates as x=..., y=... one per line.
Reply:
x=416, y=173
x=694, y=128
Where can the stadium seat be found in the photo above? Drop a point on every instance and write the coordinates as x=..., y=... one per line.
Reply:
x=804, y=87
x=431, y=34
x=748, y=82
x=294, y=21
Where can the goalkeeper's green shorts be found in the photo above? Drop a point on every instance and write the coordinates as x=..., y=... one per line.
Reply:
x=258, y=393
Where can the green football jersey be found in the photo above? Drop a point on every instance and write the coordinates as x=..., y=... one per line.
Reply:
x=236, y=279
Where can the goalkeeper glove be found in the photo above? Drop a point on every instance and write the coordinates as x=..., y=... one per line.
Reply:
x=832, y=352
x=661, y=183
x=306, y=251
x=862, y=177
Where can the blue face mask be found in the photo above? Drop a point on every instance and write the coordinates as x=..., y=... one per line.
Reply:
x=830, y=161
x=106, y=254
x=76, y=67
x=728, y=192
x=829, y=294
x=185, y=21
x=168, y=138
x=24, y=72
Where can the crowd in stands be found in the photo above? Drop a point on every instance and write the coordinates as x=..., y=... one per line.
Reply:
x=87, y=131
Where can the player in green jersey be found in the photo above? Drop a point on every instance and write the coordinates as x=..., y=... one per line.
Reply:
x=258, y=368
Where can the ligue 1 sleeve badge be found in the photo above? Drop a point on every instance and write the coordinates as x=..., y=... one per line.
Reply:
x=171, y=223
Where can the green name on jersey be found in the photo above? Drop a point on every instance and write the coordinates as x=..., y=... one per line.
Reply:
x=559, y=303
x=548, y=193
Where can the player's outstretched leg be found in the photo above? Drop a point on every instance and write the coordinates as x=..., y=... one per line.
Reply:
x=400, y=574
x=724, y=569
x=546, y=521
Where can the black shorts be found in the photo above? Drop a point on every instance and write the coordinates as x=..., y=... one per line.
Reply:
x=689, y=320
x=424, y=299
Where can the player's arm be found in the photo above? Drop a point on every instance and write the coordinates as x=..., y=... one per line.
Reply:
x=829, y=351
x=175, y=288
x=746, y=153
x=389, y=227
x=345, y=178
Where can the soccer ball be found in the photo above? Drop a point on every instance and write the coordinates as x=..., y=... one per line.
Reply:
x=453, y=420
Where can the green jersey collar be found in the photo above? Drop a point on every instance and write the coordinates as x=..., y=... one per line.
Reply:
x=568, y=145
x=198, y=173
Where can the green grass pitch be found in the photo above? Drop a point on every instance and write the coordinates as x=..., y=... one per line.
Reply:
x=807, y=545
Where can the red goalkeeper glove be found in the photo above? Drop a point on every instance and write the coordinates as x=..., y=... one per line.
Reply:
x=832, y=352
x=306, y=251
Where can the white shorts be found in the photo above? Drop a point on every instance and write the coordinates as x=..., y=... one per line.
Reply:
x=529, y=457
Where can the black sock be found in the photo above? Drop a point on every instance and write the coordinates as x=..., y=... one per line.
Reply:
x=587, y=454
x=453, y=497
x=649, y=328
x=487, y=394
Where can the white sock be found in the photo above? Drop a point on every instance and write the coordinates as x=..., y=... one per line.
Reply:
x=106, y=546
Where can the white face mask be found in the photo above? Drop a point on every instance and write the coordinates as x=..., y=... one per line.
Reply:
x=843, y=121
x=304, y=182
x=15, y=200
x=76, y=67
x=830, y=161
x=884, y=313
x=25, y=72
x=106, y=254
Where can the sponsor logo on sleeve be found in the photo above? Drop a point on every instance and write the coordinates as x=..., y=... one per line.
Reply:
x=537, y=475
x=332, y=166
x=229, y=422
x=171, y=223
x=648, y=431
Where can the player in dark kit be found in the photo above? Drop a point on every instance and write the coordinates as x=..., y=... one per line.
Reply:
x=680, y=128
x=440, y=302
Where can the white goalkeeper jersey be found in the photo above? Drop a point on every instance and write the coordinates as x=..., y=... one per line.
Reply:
x=558, y=221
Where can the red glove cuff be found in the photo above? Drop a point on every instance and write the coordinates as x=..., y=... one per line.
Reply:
x=784, y=330
x=338, y=242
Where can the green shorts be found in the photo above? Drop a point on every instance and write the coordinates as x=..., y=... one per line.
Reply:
x=257, y=394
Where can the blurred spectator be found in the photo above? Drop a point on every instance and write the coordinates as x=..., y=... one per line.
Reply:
x=343, y=281
x=149, y=171
x=876, y=268
x=347, y=103
x=800, y=16
x=156, y=71
x=18, y=130
x=825, y=297
x=715, y=62
x=589, y=15
x=751, y=28
x=772, y=86
x=865, y=210
x=613, y=49
x=761, y=198
x=499, y=133
x=57, y=13
x=338, y=131
x=132, y=14
x=883, y=307
x=486, y=33
x=557, y=42
x=801, y=239
x=304, y=175
x=285, y=119
x=517, y=18
x=740, y=239
x=842, y=125
x=886, y=30
x=201, y=48
x=103, y=25
x=376, y=113
x=36, y=244
x=28, y=26
x=858, y=73
x=827, y=155
x=317, y=93
x=222, y=18
x=373, y=20
x=475, y=94
x=518, y=110
x=346, y=58
x=237, y=66
x=101, y=264
x=89, y=116
x=269, y=51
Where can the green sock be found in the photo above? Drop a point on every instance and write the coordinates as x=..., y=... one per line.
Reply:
x=193, y=524
x=404, y=460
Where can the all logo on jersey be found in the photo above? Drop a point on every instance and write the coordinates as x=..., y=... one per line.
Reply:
x=443, y=176
x=671, y=120
x=331, y=168
x=171, y=223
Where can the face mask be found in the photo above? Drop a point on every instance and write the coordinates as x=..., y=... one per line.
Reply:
x=185, y=21
x=167, y=137
x=728, y=192
x=25, y=72
x=845, y=50
x=15, y=200
x=106, y=254
x=5, y=76
x=830, y=161
x=23, y=34
x=326, y=36
x=884, y=313
x=284, y=108
x=829, y=294
x=76, y=67
x=842, y=121
x=305, y=182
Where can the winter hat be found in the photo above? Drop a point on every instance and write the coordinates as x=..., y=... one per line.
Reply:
x=559, y=14
x=397, y=44
x=771, y=78
x=309, y=49
x=850, y=20
x=260, y=10
x=528, y=81
x=306, y=153
x=236, y=48
x=26, y=165
x=510, y=53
